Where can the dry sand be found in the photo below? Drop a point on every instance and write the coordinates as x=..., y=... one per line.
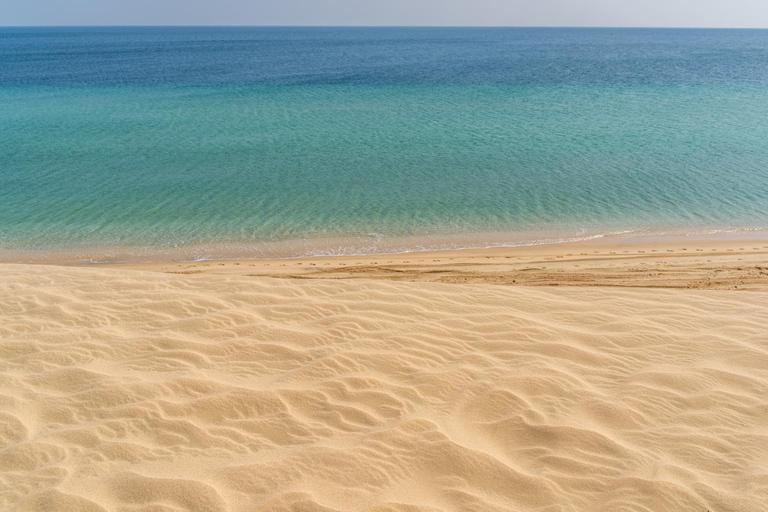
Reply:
x=418, y=382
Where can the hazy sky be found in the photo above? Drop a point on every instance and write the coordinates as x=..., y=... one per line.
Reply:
x=646, y=13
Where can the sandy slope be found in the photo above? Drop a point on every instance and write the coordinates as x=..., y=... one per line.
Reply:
x=129, y=390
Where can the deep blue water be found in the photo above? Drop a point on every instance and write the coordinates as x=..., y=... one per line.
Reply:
x=210, y=141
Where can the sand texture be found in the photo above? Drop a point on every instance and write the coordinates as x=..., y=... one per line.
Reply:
x=133, y=390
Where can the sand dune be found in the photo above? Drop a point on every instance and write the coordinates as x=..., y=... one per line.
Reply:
x=127, y=390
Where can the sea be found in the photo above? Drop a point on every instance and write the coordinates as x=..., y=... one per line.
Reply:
x=171, y=143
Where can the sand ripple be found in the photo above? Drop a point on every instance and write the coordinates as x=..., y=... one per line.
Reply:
x=136, y=391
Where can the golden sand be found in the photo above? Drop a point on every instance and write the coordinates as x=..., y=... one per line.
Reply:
x=477, y=380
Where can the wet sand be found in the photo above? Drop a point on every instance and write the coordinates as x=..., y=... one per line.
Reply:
x=684, y=263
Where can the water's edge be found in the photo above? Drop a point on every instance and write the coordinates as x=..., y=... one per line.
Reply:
x=346, y=247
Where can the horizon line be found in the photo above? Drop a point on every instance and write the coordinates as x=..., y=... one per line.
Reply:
x=608, y=27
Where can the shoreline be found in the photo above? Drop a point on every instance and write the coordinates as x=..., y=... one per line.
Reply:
x=736, y=262
x=671, y=263
x=303, y=249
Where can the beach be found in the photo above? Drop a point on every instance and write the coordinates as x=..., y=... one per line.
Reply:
x=383, y=269
x=609, y=376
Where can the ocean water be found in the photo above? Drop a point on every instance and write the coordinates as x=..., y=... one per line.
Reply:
x=182, y=143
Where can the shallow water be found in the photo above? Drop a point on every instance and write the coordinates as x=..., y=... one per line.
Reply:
x=263, y=141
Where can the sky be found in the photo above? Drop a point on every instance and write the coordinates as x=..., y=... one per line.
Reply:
x=611, y=13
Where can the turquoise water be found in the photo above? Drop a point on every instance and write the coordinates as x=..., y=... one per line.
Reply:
x=187, y=143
